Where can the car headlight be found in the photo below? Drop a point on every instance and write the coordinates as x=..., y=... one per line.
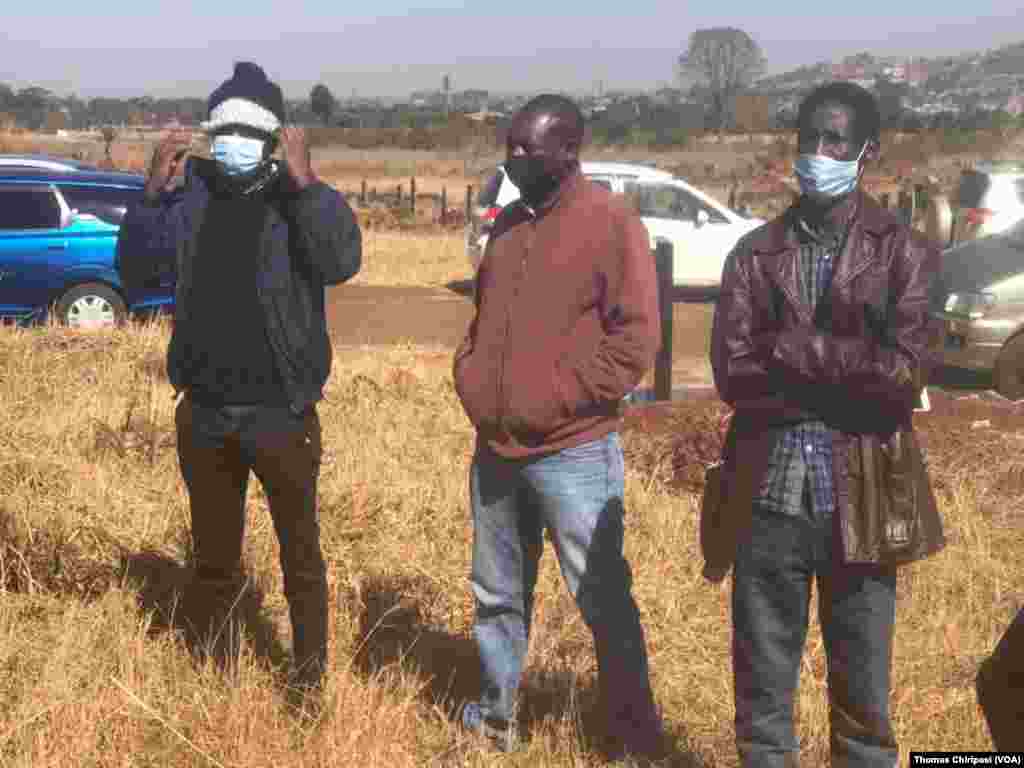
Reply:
x=969, y=304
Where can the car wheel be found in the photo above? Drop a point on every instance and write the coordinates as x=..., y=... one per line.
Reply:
x=1009, y=373
x=91, y=305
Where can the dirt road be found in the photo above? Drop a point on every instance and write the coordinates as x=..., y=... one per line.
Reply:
x=362, y=314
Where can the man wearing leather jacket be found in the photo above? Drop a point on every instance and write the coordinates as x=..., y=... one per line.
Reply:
x=256, y=242
x=822, y=342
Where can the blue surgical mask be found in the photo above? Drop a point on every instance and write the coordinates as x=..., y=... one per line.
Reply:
x=237, y=155
x=822, y=175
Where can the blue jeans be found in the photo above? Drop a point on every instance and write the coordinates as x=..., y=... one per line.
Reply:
x=770, y=602
x=577, y=495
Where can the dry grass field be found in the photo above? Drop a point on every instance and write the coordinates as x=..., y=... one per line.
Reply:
x=94, y=545
x=407, y=259
x=94, y=549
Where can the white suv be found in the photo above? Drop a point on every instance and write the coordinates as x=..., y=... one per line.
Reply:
x=702, y=230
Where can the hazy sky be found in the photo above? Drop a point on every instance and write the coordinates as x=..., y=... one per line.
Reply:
x=126, y=48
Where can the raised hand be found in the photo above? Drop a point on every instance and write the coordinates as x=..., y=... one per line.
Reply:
x=295, y=152
x=167, y=156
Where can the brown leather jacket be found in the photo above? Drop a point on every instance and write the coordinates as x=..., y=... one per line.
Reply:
x=859, y=364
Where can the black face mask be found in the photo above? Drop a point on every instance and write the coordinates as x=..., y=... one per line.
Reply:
x=535, y=182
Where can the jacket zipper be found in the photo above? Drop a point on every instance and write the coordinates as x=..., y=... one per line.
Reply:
x=520, y=279
x=276, y=343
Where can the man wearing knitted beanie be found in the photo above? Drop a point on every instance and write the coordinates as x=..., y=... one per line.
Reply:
x=256, y=242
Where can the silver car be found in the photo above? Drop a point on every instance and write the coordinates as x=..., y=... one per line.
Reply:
x=981, y=306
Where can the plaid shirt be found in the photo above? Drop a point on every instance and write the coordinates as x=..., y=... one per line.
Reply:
x=800, y=464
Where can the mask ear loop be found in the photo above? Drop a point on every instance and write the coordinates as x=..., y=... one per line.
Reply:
x=861, y=168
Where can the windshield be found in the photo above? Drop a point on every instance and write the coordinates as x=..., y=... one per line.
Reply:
x=105, y=203
x=488, y=196
x=973, y=186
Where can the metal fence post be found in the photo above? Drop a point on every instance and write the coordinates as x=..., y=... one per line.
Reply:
x=663, y=362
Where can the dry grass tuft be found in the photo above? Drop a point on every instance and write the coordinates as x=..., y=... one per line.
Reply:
x=97, y=658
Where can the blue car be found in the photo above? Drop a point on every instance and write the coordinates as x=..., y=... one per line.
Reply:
x=58, y=246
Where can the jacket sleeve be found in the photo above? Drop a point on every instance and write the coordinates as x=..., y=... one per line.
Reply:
x=631, y=322
x=892, y=364
x=465, y=347
x=147, y=241
x=739, y=355
x=328, y=230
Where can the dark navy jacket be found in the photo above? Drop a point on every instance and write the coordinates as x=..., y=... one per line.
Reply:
x=311, y=240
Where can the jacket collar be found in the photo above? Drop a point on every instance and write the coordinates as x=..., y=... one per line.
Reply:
x=778, y=243
x=567, y=192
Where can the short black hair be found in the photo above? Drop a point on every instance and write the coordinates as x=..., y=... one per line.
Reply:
x=562, y=107
x=866, y=115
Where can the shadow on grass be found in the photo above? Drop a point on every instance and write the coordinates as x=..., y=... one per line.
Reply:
x=211, y=625
x=394, y=631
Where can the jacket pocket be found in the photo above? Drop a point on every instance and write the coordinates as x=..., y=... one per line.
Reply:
x=898, y=532
x=533, y=402
x=891, y=517
x=475, y=391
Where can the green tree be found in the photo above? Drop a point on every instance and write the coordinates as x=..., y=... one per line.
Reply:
x=322, y=102
x=725, y=60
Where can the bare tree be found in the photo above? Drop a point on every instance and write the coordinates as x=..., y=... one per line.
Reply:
x=322, y=102
x=725, y=60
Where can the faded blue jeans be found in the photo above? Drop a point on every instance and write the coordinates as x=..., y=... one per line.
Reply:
x=770, y=602
x=576, y=495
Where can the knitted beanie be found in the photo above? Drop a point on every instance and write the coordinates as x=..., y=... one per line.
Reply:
x=246, y=98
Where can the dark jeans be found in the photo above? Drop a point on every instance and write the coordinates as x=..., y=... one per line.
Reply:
x=771, y=600
x=576, y=495
x=217, y=448
x=1000, y=686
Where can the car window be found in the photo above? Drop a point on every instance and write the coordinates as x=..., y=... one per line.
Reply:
x=28, y=207
x=973, y=186
x=488, y=196
x=667, y=201
x=106, y=203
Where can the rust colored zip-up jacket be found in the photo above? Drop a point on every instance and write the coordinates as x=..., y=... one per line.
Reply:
x=566, y=323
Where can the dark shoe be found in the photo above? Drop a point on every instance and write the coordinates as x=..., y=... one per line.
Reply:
x=501, y=734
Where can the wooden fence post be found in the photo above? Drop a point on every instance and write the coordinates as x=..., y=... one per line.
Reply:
x=469, y=203
x=412, y=195
x=362, y=193
x=444, y=206
x=921, y=198
x=398, y=195
x=907, y=206
x=663, y=362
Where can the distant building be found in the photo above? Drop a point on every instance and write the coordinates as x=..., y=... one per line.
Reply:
x=896, y=74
